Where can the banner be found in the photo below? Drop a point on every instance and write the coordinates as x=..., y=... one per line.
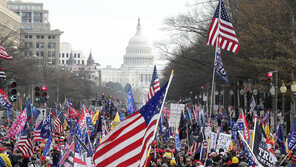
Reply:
x=223, y=141
x=4, y=102
x=292, y=138
x=18, y=125
x=212, y=141
x=263, y=148
x=175, y=114
x=166, y=112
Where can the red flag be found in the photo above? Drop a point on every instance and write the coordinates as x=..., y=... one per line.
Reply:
x=73, y=113
x=82, y=119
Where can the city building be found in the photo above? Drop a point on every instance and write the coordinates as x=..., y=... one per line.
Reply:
x=66, y=50
x=137, y=67
x=10, y=24
x=76, y=62
x=41, y=41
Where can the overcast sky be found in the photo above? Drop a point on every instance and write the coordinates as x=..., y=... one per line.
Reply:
x=105, y=26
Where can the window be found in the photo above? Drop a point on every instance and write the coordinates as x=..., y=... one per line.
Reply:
x=74, y=55
x=63, y=55
x=82, y=61
x=78, y=62
x=67, y=61
x=29, y=44
x=51, y=53
x=63, y=61
x=40, y=53
x=40, y=36
x=51, y=45
x=26, y=17
x=37, y=17
x=51, y=37
x=67, y=55
x=78, y=55
x=39, y=44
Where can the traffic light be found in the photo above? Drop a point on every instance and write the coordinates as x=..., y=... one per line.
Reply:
x=103, y=96
x=117, y=100
x=202, y=87
x=44, y=94
x=37, y=93
x=269, y=78
x=12, y=91
x=191, y=93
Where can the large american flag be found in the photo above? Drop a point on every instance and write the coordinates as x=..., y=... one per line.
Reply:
x=154, y=86
x=128, y=143
x=25, y=144
x=3, y=53
x=223, y=31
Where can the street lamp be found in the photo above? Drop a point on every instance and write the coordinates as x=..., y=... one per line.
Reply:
x=283, y=90
x=231, y=92
x=293, y=88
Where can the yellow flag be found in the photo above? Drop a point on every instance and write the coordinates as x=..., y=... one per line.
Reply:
x=6, y=160
x=95, y=118
x=231, y=146
x=116, y=121
x=251, y=140
x=65, y=124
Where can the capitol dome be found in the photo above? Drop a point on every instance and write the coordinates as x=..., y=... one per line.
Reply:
x=138, y=51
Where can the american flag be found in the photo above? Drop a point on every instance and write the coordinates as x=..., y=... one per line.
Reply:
x=25, y=144
x=68, y=158
x=2, y=73
x=247, y=88
x=222, y=30
x=58, y=123
x=79, y=155
x=196, y=147
x=154, y=86
x=3, y=53
x=37, y=133
x=128, y=143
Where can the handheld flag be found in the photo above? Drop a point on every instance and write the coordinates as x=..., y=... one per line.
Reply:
x=292, y=138
x=154, y=86
x=280, y=139
x=116, y=121
x=222, y=30
x=252, y=103
x=242, y=125
x=178, y=143
x=47, y=146
x=219, y=69
x=131, y=106
x=17, y=125
x=46, y=128
x=263, y=148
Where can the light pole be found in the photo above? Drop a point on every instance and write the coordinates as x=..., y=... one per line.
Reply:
x=283, y=90
x=231, y=92
x=293, y=88
x=273, y=93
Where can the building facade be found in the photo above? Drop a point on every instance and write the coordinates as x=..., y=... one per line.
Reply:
x=40, y=40
x=66, y=50
x=137, y=67
x=9, y=25
x=75, y=61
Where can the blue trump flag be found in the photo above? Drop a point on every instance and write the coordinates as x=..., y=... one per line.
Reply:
x=292, y=138
x=47, y=146
x=178, y=143
x=219, y=69
x=120, y=116
x=46, y=128
x=280, y=139
x=131, y=107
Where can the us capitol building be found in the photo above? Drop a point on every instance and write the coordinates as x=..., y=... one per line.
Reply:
x=137, y=67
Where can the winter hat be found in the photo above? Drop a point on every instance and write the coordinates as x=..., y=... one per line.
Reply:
x=42, y=158
x=235, y=160
x=1, y=149
x=173, y=162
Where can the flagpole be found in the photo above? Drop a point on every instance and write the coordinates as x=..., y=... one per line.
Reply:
x=248, y=147
x=165, y=95
x=287, y=155
x=213, y=78
x=254, y=133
